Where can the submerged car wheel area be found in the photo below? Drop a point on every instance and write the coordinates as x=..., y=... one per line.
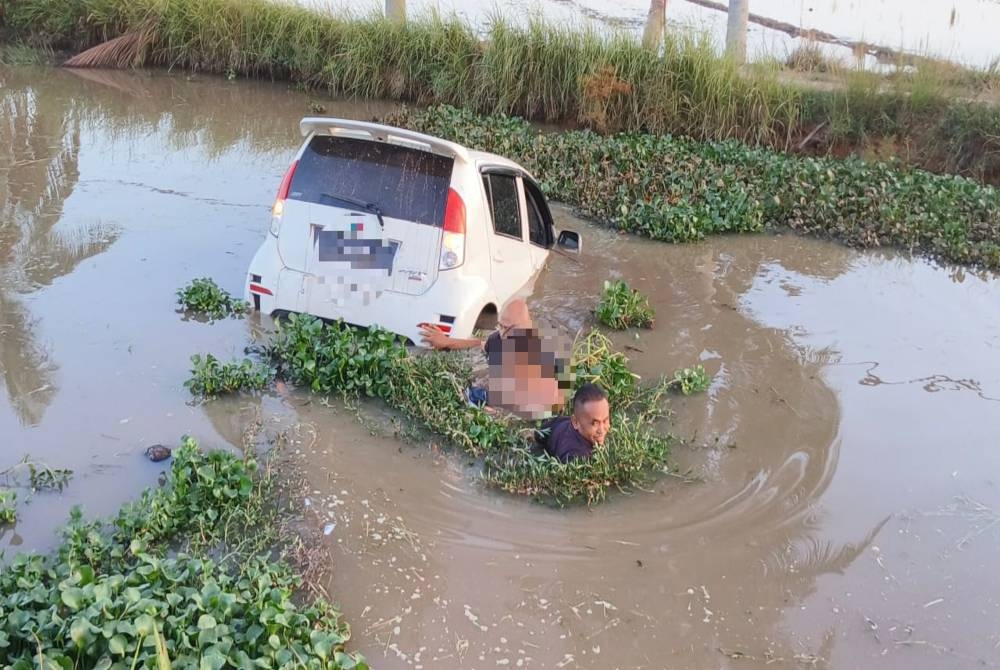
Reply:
x=382, y=226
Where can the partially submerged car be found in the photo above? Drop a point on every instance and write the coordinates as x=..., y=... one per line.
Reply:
x=383, y=226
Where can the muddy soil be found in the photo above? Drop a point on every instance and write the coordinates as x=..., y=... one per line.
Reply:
x=839, y=507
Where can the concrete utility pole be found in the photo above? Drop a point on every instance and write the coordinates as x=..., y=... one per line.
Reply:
x=395, y=10
x=656, y=24
x=736, y=30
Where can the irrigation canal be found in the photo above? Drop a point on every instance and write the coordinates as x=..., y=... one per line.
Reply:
x=841, y=505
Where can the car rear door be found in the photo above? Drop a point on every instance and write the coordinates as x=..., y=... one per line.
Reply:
x=363, y=217
x=512, y=265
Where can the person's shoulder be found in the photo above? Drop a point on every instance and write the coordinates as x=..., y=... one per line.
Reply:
x=565, y=443
x=557, y=422
x=493, y=348
x=545, y=429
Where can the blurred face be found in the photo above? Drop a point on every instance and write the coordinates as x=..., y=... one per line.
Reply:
x=513, y=316
x=593, y=420
x=520, y=386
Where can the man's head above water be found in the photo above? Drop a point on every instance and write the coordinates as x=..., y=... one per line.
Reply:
x=514, y=316
x=591, y=413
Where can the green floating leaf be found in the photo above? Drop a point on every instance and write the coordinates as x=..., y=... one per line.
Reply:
x=118, y=645
x=73, y=598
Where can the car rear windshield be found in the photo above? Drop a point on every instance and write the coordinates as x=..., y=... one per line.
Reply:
x=405, y=183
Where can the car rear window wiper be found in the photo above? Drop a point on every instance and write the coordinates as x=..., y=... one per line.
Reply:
x=372, y=207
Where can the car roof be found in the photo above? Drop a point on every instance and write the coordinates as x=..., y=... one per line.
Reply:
x=392, y=134
x=484, y=157
x=381, y=133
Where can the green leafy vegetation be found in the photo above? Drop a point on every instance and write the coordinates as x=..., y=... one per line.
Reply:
x=623, y=307
x=142, y=591
x=40, y=477
x=427, y=390
x=633, y=451
x=691, y=380
x=8, y=506
x=20, y=54
x=337, y=359
x=540, y=71
x=210, y=377
x=631, y=454
x=679, y=190
x=809, y=57
x=596, y=362
x=33, y=476
x=205, y=297
x=329, y=358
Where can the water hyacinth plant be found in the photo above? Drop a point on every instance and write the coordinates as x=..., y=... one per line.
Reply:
x=690, y=380
x=204, y=297
x=679, y=190
x=210, y=377
x=426, y=388
x=40, y=477
x=141, y=592
x=334, y=358
x=633, y=452
x=8, y=506
x=623, y=307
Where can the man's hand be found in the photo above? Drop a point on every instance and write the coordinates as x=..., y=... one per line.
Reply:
x=433, y=336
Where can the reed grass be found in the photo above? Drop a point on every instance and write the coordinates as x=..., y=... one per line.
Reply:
x=20, y=54
x=557, y=73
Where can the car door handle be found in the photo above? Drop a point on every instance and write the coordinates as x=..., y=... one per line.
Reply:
x=498, y=257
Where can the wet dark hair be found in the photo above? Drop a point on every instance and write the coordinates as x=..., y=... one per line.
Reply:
x=588, y=393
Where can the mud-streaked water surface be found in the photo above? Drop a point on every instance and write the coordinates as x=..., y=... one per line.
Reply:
x=840, y=507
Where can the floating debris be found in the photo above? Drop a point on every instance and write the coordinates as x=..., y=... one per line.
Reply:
x=158, y=453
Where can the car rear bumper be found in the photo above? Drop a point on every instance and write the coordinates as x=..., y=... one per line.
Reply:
x=454, y=300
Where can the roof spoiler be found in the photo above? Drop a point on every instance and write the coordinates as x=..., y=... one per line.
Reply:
x=377, y=132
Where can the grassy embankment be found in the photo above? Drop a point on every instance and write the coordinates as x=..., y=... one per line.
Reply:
x=564, y=75
x=197, y=573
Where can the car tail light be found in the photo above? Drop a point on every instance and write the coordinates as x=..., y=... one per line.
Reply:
x=260, y=290
x=453, y=238
x=279, y=203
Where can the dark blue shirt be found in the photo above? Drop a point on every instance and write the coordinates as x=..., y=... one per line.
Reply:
x=564, y=442
x=493, y=348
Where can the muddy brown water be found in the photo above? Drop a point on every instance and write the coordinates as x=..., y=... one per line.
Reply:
x=839, y=509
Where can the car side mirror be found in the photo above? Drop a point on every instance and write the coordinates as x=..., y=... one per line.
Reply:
x=570, y=241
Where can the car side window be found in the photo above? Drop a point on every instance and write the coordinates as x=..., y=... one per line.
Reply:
x=538, y=230
x=502, y=193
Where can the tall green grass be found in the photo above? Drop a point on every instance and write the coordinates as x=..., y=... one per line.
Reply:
x=539, y=71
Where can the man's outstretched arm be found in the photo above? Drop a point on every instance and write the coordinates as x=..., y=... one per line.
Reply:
x=436, y=338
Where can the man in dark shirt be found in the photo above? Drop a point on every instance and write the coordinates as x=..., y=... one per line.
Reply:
x=576, y=436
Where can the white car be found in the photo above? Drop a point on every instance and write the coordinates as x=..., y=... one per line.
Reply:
x=383, y=226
